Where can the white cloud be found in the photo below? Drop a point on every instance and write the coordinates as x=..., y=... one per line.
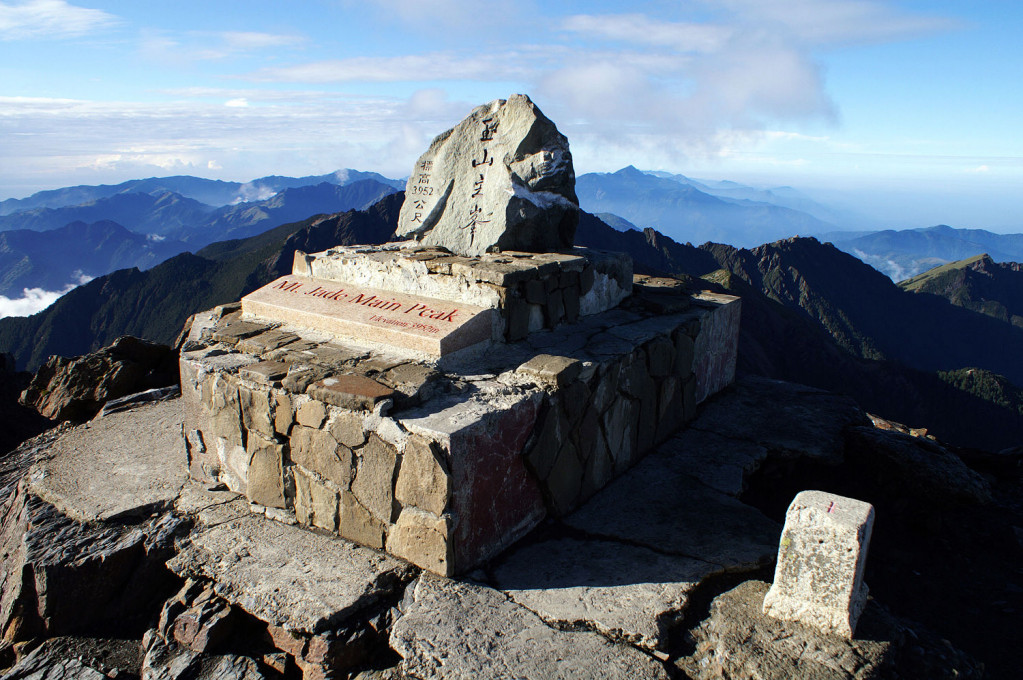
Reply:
x=49, y=19
x=238, y=40
x=979, y=169
x=32, y=300
x=640, y=29
x=237, y=102
x=192, y=46
x=833, y=22
x=436, y=66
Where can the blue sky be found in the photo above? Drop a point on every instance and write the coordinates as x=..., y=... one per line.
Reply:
x=908, y=111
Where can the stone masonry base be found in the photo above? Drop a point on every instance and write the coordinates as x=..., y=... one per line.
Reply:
x=447, y=467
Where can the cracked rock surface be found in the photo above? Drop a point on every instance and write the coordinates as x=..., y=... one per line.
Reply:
x=462, y=630
x=133, y=474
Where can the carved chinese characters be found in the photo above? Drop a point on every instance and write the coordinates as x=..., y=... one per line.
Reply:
x=502, y=179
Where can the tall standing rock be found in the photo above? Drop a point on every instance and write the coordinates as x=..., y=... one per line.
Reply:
x=502, y=179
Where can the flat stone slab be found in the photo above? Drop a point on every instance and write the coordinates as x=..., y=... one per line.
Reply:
x=450, y=629
x=287, y=576
x=719, y=462
x=113, y=467
x=783, y=417
x=409, y=322
x=658, y=506
x=623, y=591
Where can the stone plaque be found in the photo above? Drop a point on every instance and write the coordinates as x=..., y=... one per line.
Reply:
x=410, y=322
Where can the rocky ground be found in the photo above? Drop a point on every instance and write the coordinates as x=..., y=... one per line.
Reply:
x=114, y=564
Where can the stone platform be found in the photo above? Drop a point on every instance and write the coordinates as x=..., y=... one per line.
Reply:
x=445, y=464
x=403, y=295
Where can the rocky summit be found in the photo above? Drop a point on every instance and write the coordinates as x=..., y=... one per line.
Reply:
x=143, y=572
x=502, y=179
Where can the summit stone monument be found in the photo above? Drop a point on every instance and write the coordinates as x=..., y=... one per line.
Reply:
x=502, y=179
x=439, y=396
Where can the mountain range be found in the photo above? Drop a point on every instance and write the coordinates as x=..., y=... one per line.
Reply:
x=908, y=252
x=684, y=212
x=209, y=191
x=811, y=314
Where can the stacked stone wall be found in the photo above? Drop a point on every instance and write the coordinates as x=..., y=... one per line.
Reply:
x=444, y=469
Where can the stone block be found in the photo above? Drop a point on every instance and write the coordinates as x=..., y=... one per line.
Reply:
x=565, y=481
x=818, y=579
x=316, y=504
x=347, y=428
x=353, y=392
x=423, y=539
x=423, y=481
x=317, y=451
x=257, y=413
x=264, y=372
x=683, y=364
x=518, y=319
x=570, y=296
x=555, y=371
x=266, y=342
x=311, y=414
x=233, y=331
x=266, y=472
x=660, y=355
x=358, y=524
x=374, y=480
x=536, y=292
x=299, y=378
x=284, y=415
x=554, y=312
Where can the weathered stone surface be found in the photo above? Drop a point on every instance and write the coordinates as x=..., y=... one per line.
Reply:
x=77, y=658
x=552, y=370
x=423, y=539
x=680, y=516
x=738, y=641
x=423, y=481
x=318, y=451
x=195, y=618
x=784, y=417
x=266, y=472
x=266, y=372
x=103, y=470
x=358, y=524
x=719, y=462
x=927, y=467
x=374, y=479
x=459, y=630
x=623, y=591
x=76, y=388
x=716, y=348
x=818, y=579
x=347, y=429
x=63, y=577
x=311, y=414
x=169, y=661
x=353, y=392
x=502, y=178
x=284, y=575
x=256, y=409
x=316, y=504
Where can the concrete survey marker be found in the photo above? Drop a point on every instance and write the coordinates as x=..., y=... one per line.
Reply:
x=410, y=322
x=818, y=580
